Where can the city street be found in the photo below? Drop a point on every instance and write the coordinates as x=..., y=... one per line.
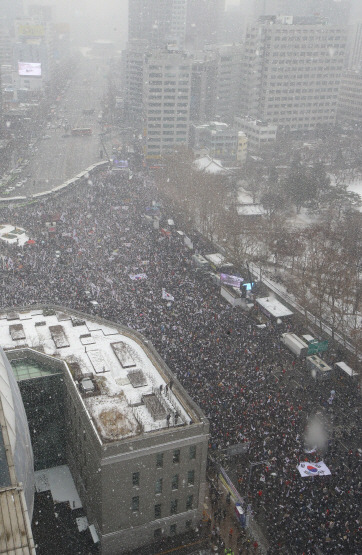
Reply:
x=57, y=157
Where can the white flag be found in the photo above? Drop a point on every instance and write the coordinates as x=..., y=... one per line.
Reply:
x=313, y=469
x=135, y=277
x=167, y=296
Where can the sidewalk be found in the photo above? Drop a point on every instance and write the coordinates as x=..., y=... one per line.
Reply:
x=225, y=531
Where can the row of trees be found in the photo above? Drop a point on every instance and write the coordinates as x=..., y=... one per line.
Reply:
x=321, y=264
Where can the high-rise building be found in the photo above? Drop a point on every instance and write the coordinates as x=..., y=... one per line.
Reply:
x=159, y=22
x=355, y=47
x=204, y=22
x=203, y=90
x=350, y=98
x=292, y=72
x=228, y=80
x=133, y=62
x=336, y=12
x=166, y=100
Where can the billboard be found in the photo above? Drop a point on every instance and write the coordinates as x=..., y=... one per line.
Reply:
x=30, y=30
x=233, y=281
x=29, y=69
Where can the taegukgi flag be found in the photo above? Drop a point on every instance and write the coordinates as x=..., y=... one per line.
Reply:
x=313, y=469
x=167, y=296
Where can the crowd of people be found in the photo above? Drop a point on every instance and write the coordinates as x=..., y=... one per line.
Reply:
x=96, y=243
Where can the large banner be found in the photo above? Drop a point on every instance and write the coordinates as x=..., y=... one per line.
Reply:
x=313, y=469
x=233, y=281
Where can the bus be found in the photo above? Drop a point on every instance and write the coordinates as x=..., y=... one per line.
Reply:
x=80, y=132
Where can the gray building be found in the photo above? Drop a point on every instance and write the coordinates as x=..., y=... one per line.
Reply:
x=136, y=442
x=16, y=467
x=292, y=72
x=350, y=98
x=166, y=101
x=159, y=22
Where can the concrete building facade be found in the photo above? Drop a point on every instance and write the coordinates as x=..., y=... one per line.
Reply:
x=159, y=22
x=166, y=101
x=292, y=72
x=350, y=98
x=259, y=133
x=136, y=442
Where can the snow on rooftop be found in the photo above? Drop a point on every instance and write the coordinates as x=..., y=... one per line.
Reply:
x=13, y=234
x=119, y=366
x=274, y=307
x=209, y=165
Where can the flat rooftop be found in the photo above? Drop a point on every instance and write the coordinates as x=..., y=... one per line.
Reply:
x=274, y=307
x=124, y=385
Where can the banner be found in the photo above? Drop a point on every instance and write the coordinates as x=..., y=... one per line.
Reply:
x=167, y=296
x=138, y=276
x=313, y=469
x=233, y=281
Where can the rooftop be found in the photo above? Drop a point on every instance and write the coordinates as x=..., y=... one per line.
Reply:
x=124, y=385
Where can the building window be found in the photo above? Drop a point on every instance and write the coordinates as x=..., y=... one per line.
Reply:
x=173, y=529
x=135, y=479
x=135, y=504
x=176, y=456
x=159, y=460
x=191, y=477
x=158, y=510
x=174, y=506
x=174, y=483
x=192, y=452
x=189, y=502
x=157, y=534
x=158, y=486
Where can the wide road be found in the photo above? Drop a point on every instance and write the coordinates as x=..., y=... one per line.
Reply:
x=57, y=158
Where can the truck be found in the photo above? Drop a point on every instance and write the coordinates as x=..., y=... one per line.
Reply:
x=199, y=261
x=295, y=344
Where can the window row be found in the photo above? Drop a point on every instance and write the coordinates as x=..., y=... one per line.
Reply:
x=176, y=456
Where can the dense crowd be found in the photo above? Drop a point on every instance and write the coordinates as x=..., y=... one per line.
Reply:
x=251, y=389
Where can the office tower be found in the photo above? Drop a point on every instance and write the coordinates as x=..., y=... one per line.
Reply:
x=159, y=22
x=136, y=444
x=203, y=90
x=355, y=46
x=336, y=12
x=204, y=22
x=228, y=80
x=133, y=62
x=166, y=100
x=33, y=53
x=292, y=72
x=350, y=98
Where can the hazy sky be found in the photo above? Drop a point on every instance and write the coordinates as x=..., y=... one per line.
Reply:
x=108, y=19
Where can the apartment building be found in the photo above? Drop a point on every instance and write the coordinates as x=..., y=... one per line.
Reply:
x=292, y=71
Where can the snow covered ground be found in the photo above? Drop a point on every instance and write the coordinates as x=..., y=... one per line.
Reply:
x=356, y=187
